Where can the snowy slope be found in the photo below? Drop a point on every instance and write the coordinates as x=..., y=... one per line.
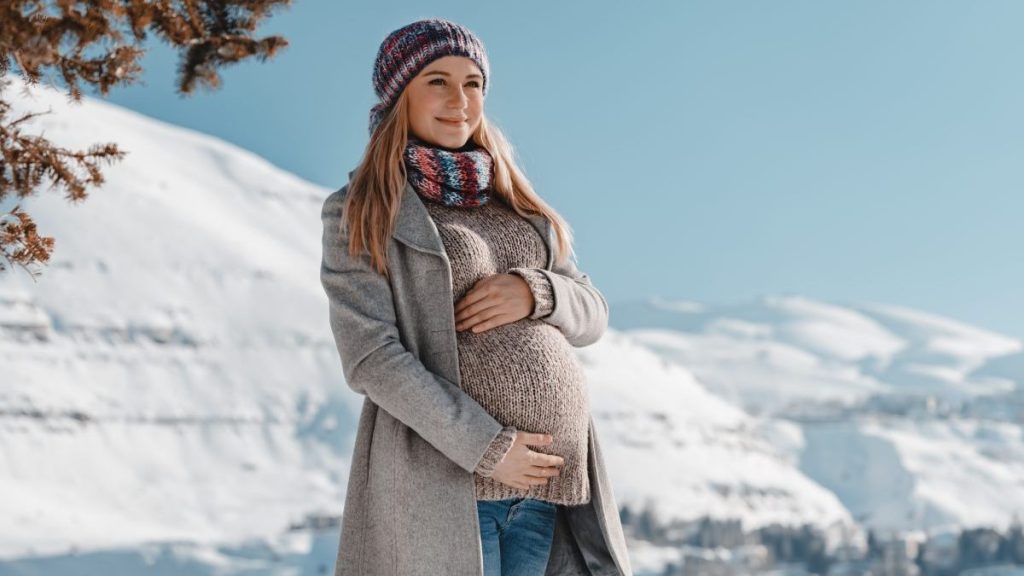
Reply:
x=912, y=420
x=690, y=453
x=776, y=353
x=171, y=375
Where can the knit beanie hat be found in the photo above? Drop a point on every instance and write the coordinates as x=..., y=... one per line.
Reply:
x=408, y=50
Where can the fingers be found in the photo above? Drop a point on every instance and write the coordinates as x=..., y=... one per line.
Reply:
x=473, y=295
x=487, y=299
x=528, y=481
x=543, y=471
x=541, y=467
x=491, y=303
x=535, y=438
x=538, y=439
x=541, y=459
x=536, y=476
x=484, y=320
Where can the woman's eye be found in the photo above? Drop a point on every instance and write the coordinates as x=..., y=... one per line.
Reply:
x=473, y=82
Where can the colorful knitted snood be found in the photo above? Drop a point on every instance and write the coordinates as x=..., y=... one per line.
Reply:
x=460, y=177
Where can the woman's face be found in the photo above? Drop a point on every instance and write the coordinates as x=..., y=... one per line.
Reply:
x=446, y=101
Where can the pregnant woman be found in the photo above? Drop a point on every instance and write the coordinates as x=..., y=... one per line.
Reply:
x=455, y=309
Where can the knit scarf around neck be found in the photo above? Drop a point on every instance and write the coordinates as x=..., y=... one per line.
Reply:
x=460, y=177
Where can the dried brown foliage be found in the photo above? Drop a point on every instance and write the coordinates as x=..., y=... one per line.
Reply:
x=99, y=43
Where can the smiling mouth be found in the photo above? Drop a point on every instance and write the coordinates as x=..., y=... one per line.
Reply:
x=451, y=122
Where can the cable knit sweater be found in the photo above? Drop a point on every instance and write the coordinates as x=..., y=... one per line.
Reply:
x=524, y=373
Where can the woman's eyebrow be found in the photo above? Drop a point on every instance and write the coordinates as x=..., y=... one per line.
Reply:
x=441, y=72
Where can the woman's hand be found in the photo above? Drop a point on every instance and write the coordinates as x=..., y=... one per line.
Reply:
x=494, y=300
x=522, y=467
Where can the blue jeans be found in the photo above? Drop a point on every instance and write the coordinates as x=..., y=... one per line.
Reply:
x=515, y=535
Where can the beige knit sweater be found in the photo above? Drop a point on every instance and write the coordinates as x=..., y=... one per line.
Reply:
x=525, y=373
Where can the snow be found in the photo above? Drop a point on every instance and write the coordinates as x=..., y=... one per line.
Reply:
x=911, y=420
x=171, y=375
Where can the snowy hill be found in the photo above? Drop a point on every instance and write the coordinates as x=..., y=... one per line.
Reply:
x=912, y=420
x=171, y=375
x=691, y=453
x=170, y=394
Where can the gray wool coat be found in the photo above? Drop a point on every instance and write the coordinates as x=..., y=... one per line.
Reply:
x=411, y=507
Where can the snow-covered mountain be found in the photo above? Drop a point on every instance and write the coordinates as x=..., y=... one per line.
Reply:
x=170, y=393
x=912, y=420
x=171, y=375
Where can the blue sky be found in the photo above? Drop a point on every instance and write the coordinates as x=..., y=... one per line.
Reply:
x=859, y=151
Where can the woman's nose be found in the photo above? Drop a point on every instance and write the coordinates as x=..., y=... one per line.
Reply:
x=458, y=96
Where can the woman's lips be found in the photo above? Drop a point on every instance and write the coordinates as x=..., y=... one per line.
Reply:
x=451, y=122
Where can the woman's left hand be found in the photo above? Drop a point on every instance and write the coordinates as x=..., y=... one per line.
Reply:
x=494, y=300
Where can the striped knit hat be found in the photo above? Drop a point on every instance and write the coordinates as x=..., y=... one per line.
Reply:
x=408, y=50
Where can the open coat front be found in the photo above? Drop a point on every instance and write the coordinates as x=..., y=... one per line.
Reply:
x=411, y=507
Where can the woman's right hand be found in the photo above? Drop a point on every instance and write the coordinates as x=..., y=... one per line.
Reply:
x=522, y=467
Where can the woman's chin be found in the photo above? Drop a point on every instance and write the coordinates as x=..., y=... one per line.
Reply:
x=448, y=139
x=452, y=142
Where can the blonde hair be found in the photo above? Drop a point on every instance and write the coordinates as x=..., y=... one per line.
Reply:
x=375, y=192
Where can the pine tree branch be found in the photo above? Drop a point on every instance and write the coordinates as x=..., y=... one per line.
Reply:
x=99, y=43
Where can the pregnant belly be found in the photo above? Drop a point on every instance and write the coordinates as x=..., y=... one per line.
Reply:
x=527, y=375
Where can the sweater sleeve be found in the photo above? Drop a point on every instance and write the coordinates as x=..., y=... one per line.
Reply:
x=579, y=309
x=496, y=452
x=540, y=286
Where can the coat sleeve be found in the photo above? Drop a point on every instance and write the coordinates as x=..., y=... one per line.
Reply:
x=572, y=303
x=376, y=364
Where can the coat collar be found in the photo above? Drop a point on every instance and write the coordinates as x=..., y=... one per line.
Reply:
x=416, y=228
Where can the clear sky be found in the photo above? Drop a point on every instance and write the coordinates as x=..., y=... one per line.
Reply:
x=859, y=151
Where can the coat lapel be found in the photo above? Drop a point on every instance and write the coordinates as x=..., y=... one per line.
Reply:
x=414, y=226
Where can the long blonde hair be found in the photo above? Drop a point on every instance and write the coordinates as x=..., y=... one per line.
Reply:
x=375, y=191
